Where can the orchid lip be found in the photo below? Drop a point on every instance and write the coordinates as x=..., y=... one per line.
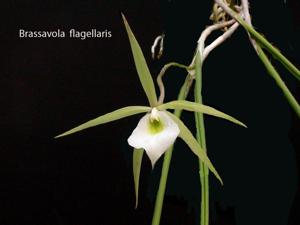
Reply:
x=155, y=135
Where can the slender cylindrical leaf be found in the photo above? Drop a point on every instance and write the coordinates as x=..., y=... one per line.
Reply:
x=196, y=107
x=276, y=76
x=136, y=166
x=141, y=66
x=115, y=115
x=188, y=138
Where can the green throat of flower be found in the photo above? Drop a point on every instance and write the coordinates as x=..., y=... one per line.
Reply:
x=155, y=126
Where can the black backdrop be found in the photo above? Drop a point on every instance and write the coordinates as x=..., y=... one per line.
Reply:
x=50, y=85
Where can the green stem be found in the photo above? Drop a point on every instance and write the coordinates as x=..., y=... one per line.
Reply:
x=274, y=51
x=272, y=71
x=167, y=159
x=204, y=172
x=263, y=41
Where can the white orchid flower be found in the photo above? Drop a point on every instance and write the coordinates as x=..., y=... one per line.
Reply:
x=155, y=133
x=158, y=129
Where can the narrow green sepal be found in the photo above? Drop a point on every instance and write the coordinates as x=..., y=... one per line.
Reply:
x=141, y=66
x=109, y=117
x=196, y=107
x=188, y=138
x=136, y=167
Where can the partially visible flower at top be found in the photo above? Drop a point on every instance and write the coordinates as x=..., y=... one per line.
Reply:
x=155, y=133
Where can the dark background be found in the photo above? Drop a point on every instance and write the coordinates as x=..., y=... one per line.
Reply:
x=51, y=85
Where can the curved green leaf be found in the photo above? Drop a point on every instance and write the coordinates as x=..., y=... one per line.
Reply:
x=141, y=66
x=196, y=107
x=136, y=166
x=115, y=115
x=188, y=138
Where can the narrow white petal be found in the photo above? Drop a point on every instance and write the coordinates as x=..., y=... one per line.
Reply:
x=155, y=144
